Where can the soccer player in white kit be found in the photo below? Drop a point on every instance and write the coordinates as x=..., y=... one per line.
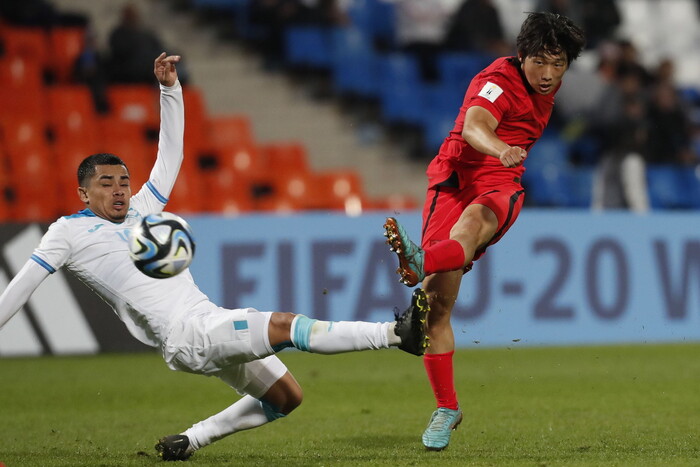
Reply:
x=195, y=335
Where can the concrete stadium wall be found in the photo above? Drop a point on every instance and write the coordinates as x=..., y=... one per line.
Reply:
x=557, y=278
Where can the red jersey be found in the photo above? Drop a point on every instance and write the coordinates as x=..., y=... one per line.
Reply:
x=522, y=116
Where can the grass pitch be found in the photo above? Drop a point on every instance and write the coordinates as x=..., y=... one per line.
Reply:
x=622, y=406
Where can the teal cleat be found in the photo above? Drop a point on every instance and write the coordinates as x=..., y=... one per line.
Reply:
x=410, y=255
x=437, y=436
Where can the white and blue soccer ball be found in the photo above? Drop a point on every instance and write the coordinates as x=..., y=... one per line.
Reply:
x=162, y=245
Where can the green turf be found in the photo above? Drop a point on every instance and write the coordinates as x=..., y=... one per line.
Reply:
x=626, y=406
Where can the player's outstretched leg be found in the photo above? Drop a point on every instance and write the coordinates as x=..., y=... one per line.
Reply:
x=410, y=255
x=174, y=448
x=410, y=325
x=443, y=421
x=408, y=332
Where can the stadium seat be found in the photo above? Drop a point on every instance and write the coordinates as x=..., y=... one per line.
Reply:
x=195, y=120
x=665, y=185
x=355, y=64
x=227, y=191
x=308, y=46
x=550, y=149
x=581, y=188
x=71, y=113
x=66, y=43
x=34, y=208
x=457, y=69
x=229, y=131
x=135, y=103
x=549, y=185
x=20, y=132
x=21, y=73
x=376, y=20
x=29, y=43
x=401, y=93
x=186, y=197
x=287, y=157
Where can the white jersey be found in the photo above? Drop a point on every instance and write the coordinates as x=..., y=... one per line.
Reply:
x=96, y=250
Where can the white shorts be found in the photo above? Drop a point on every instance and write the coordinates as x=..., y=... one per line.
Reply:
x=230, y=344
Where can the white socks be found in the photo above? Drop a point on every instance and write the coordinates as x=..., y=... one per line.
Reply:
x=246, y=413
x=331, y=337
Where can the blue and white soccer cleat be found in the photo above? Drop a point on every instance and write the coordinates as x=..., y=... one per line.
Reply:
x=410, y=255
x=443, y=421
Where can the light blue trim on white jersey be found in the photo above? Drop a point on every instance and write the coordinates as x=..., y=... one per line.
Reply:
x=43, y=264
x=155, y=192
x=83, y=213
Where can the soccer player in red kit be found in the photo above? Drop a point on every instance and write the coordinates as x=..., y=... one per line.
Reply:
x=474, y=190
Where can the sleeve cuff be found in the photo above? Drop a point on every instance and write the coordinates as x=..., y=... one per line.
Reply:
x=170, y=88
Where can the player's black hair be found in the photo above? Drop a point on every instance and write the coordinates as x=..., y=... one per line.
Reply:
x=86, y=169
x=550, y=33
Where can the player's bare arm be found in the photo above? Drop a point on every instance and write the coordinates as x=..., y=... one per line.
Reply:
x=480, y=132
x=165, y=70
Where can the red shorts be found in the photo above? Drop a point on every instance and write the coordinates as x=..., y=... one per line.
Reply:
x=446, y=202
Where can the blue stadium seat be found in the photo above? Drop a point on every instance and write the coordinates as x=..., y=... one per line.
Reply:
x=549, y=185
x=401, y=93
x=667, y=188
x=581, y=188
x=375, y=19
x=457, y=69
x=355, y=63
x=441, y=105
x=309, y=46
x=550, y=149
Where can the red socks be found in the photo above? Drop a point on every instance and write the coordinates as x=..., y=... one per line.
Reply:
x=447, y=255
x=441, y=376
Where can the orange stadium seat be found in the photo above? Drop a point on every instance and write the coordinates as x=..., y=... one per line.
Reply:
x=230, y=131
x=20, y=132
x=65, y=45
x=21, y=73
x=290, y=157
x=30, y=43
x=242, y=158
x=36, y=208
x=72, y=114
x=195, y=121
x=227, y=191
x=135, y=103
x=32, y=169
x=186, y=197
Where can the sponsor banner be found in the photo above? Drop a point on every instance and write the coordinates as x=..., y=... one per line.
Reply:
x=557, y=278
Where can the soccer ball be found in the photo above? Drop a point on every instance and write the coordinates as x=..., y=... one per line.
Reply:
x=162, y=245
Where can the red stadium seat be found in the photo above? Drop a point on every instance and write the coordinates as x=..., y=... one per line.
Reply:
x=21, y=73
x=65, y=45
x=229, y=131
x=135, y=103
x=20, y=132
x=72, y=114
x=30, y=43
x=288, y=157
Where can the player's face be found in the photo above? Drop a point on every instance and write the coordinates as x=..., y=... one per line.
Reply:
x=544, y=71
x=108, y=192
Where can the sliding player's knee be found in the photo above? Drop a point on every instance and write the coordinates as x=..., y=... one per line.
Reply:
x=293, y=400
x=280, y=326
